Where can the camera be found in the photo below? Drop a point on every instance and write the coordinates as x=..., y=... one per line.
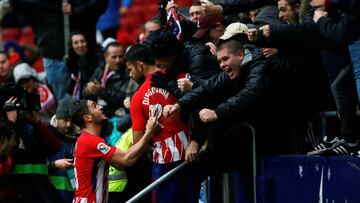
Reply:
x=28, y=101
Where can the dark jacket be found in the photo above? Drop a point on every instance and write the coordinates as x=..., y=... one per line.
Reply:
x=339, y=31
x=115, y=91
x=264, y=96
x=38, y=143
x=66, y=151
x=86, y=66
x=299, y=45
x=84, y=16
x=197, y=60
x=237, y=97
x=350, y=6
x=46, y=20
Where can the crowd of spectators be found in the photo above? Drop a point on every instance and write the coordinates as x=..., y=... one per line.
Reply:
x=181, y=93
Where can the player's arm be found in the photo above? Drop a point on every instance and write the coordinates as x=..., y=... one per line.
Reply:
x=137, y=135
x=122, y=159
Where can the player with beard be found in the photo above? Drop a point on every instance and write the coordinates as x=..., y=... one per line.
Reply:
x=172, y=145
x=93, y=156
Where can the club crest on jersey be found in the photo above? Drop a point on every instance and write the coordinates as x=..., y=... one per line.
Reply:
x=155, y=111
x=103, y=148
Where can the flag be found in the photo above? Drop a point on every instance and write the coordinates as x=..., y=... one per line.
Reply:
x=173, y=23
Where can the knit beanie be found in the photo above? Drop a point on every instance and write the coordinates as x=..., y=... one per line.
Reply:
x=62, y=111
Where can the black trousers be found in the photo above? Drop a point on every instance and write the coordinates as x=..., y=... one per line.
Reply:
x=344, y=92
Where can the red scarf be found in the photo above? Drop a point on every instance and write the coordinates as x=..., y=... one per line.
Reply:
x=107, y=73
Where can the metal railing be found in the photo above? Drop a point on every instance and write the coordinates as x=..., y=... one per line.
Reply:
x=254, y=158
x=226, y=198
x=160, y=180
x=226, y=193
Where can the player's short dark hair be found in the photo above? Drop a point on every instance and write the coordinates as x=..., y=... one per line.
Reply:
x=139, y=52
x=77, y=112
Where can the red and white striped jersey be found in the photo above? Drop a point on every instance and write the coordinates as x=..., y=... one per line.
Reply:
x=172, y=140
x=91, y=165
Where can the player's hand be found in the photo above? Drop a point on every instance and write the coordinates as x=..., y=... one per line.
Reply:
x=192, y=152
x=153, y=126
x=184, y=84
x=207, y=115
x=170, y=109
x=64, y=163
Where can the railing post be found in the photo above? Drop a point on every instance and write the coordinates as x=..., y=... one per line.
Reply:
x=226, y=187
x=226, y=178
x=66, y=30
x=254, y=156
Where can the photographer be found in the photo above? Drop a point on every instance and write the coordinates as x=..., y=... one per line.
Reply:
x=29, y=181
x=38, y=95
